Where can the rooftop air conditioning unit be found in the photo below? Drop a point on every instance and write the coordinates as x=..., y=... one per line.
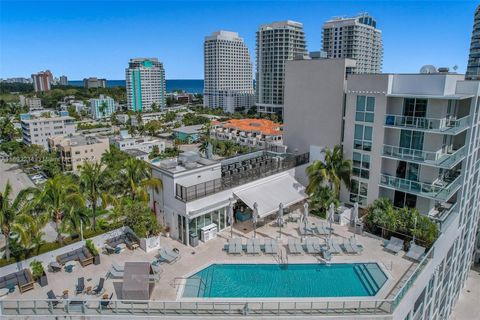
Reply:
x=190, y=165
x=168, y=164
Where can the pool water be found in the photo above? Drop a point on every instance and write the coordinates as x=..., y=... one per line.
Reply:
x=282, y=281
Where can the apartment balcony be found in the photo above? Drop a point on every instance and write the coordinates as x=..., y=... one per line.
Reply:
x=440, y=190
x=439, y=159
x=443, y=215
x=450, y=125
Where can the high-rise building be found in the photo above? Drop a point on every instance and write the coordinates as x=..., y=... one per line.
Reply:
x=413, y=139
x=63, y=81
x=276, y=43
x=93, y=82
x=42, y=80
x=473, y=68
x=228, y=82
x=145, y=79
x=355, y=38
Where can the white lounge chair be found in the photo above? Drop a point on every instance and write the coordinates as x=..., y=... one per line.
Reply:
x=353, y=242
x=312, y=245
x=167, y=255
x=114, y=274
x=253, y=246
x=349, y=249
x=235, y=246
x=394, y=245
x=334, y=246
x=117, y=267
x=415, y=252
x=321, y=230
x=294, y=246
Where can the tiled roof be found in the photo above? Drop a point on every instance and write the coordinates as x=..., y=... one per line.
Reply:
x=264, y=126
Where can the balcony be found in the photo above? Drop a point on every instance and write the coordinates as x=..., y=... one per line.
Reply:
x=440, y=190
x=451, y=125
x=438, y=159
x=443, y=215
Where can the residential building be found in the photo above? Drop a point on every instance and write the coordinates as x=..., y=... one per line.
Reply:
x=37, y=130
x=473, y=68
x=75, y=150
x=33, y=103
x=93, y=82
x=355, y=38
x=197, y=191
x=63, y=81
x=16, y=80
x=125, y=141
x=276, y=43
x=414, y=139
x=254, y=133
x=42, y=80
x=145, y=79
x=228, y=82
x=137, y=154
x=188, y=134
x=102, y=107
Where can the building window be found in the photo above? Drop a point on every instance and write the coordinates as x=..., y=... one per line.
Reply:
x=363, y=138
x=365, y=109
x=361, y=165
x=358, y=192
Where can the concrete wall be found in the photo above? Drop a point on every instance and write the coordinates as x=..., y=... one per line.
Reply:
x=313, y=109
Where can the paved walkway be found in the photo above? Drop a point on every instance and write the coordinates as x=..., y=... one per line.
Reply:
x=18, y=179
x=468, y=305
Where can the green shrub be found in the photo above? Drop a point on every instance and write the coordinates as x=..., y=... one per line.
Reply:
x=37, y=269
x=91, y=247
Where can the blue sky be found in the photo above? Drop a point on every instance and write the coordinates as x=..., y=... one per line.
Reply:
x=92, y=38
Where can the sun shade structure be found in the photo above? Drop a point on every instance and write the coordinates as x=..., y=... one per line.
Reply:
x=284, y=189
x=136, y=281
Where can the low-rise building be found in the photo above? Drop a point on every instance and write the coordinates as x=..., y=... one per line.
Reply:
x=137, y=154
x=33, y=103
x=37, y=129
x=256, y=133
x=146, y=144
x=93, y=82
x=102, y=108
x=188, y=134
x=75, y=150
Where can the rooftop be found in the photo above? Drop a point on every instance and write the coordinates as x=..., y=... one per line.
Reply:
x=263, y=126
x=189, y=129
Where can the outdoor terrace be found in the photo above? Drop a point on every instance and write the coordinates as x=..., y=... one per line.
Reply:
x=165, y=299
x=450, y=126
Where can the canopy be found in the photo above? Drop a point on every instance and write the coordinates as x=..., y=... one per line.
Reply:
x=136, y=281
x=270, y=193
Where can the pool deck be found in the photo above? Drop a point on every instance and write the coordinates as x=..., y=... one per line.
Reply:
x=168, y=288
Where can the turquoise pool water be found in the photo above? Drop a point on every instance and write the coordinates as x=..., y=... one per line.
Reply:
x=283, y=281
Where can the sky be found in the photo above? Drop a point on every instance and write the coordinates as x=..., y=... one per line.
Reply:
x=97, y=38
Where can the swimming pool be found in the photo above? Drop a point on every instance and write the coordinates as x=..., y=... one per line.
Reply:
x=283, y=281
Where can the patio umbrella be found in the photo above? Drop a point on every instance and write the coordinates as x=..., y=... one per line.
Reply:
x=305, y=216
x=230, y=217
x=354, y=217
x=280, y=217
x=330, y=217
x=255, y=218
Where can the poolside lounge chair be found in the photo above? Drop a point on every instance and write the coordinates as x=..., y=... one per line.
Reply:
x=305, y=228
x=295, y=246
x=271, y=246
x=118, y=267
x=253, y=246
x=114, y=274
x=353, y=242
x=394, y=245
x=52, y=299
x=80, y=287
x=326, y=254
x=98, y=290
x=334, y=246
x=415, y=252
x=312, y=245
x=321, y=230
x=168, y=255
x=348, y=247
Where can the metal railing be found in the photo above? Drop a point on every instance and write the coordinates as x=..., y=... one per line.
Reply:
x=444, y=218
x=89, y=307
x=445, y=125
x=438, y=158
x=249, y=174
x=428, y=190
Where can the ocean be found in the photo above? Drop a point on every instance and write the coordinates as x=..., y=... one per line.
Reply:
x=187, y=85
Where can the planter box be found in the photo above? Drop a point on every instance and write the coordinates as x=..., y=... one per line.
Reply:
x=150, y=244
x=43, y=281
x=96, y=260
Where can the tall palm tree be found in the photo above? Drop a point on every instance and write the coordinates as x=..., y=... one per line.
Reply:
x=59, y=195
x=205, y=138
x=138, y=178
x=333, y=171
x=92, y=175
x=13, y=213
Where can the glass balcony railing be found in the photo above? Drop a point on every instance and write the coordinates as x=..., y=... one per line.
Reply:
x=443, y=215
x=450, y=125
x=438, y=159
x=439, y=190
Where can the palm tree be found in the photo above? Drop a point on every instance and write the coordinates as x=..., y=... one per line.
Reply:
x=59, y=195
x=137, y=176
x=13, y=213
x=205, y=138
x=92, y=175
x=333, y=171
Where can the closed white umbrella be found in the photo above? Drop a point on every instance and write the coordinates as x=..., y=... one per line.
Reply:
x=230, y=217
x=330, y=217
x=305, y=216
x=280, y=217
x=354, y=217
x=255, y=218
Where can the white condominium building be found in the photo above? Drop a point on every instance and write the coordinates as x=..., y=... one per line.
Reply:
x=228, y=72
x=145, y=81
x=37, y=130
x=142, y=143
x=276, y=43
x=356, y=38
x=103, y=107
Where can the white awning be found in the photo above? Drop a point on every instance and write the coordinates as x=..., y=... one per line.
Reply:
x=269, y=194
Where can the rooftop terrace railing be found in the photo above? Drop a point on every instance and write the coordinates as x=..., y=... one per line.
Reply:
x=438, y=158
x=245, y=175
x=445, y=125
